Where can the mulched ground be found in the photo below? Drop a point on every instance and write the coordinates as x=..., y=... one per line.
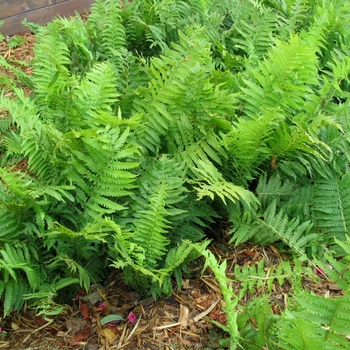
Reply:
x=177, y=322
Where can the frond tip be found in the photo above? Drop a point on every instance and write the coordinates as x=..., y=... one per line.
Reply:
x=210, y=182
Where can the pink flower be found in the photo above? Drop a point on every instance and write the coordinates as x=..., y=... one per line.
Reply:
x=131, y=317
x=102, y=305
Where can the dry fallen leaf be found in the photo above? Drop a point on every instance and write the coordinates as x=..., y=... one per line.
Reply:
x=82, y=335
x=14, y=326
x=84, y=311
x=108, y=335
x=183, y=316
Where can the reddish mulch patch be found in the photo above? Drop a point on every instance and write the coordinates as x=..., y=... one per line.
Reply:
x=177, y=322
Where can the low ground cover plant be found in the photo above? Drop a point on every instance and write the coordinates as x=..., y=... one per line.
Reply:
x=151, y=120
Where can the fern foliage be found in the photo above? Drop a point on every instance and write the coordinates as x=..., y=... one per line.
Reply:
x=331, y=317
x=260, y=276
x=103, y=164
x=334, y=219
x=19, y=274
x=275, y=226
x=149, y=121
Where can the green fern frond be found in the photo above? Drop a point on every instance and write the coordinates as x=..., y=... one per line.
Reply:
x=151, y=226
x=253, y=277
x=296, y=199
x=288, y=141
x=210, y=182
x=168, y=171
x=168, y=79
x=23, y=77
x=176, y=258
x=157, y=207
x=49, y=291
x=74, y=270
x=248, y=142
x=73, y=32
x=43, y=300
x=18, y=275
x=78, y=255
x=183, y=75
x=12, y=142
x=82, y=253
x=255, y=32
x=16, y=182
x=195, y=150
x=50, y=68
x=5, y=124
x=16, y=203
x=60, y=193
x=256, y=323
x=231, y=300
x=15, y=259
x=339, y=66
x=270, y=188
x=285, y=78
x=272, y=226
x=330, y=315
x=186, y=251
x=13, y=295
x=106, y=165
x=192, y=223
x=250, y=277
x=96, y=92
x=294, y=11
x=38, y=158
x=131, y=75
x=336, y=263
x=304, y=166
x=10, y=226
x=316, y=34
x=95, y=231
x=105, y=25
x=299, y=333
x=34, y=136
x=34, y=140
x=144, y=29
x=331, y=209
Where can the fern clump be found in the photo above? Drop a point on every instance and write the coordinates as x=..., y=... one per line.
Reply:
x=148, y=122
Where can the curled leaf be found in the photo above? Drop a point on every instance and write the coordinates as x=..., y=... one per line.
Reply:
x=112, y=318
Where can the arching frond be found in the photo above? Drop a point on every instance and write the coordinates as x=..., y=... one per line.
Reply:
x=210, y=183
x=161, y=189
x=272, y=226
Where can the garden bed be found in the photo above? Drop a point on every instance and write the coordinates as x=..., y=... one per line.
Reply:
x=194, y=316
